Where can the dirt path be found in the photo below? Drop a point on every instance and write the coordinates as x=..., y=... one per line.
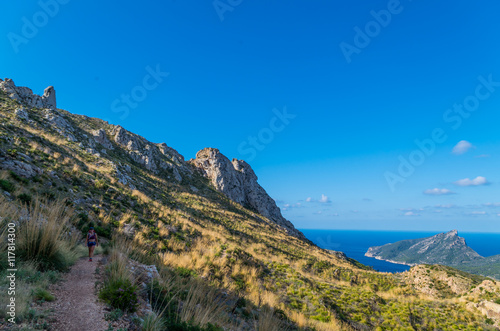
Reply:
x=76, y=307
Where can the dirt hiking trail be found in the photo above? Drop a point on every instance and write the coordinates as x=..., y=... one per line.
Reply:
x=76, y=307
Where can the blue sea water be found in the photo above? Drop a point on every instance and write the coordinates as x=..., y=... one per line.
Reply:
x=355, y=243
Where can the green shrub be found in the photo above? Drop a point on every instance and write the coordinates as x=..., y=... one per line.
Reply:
x=497, y=301
x=114, y=315
x=120, y=294
x=18, y=178
x=185, y=272
x=25, y=198
x=6, y=185
x=172, y=325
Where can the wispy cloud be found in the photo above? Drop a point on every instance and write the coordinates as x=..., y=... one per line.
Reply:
x=477, y=213
x=411, y=213
x=447, y=206
x=289, y=206
x=479, y=180
x=462, y=147
x=492, y=204
x=482, y=155
x=309, y=199
x=324, y=199
x=438, y=191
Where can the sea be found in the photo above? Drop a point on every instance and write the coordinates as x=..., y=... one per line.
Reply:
x=355, y=243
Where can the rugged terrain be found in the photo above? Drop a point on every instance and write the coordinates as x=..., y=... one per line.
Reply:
x=207, y=221
x=444, y=248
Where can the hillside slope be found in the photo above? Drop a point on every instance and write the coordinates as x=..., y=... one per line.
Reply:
x=207, y=219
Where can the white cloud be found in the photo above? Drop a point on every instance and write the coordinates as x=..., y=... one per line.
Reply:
x=288, y=206
x=438, y=191
x=447, y=206
x=319, y=212
x=309, y=199
x=492, y=204
x=411, y=209
x=462, y=147
x=482, y=155
x=410, y=213
x=324, y=199
x=478, y=213
x=479, y=180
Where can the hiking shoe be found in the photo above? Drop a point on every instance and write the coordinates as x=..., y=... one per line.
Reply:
x=90, y=260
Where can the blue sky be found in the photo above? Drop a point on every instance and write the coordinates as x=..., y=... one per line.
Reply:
x=323, y=99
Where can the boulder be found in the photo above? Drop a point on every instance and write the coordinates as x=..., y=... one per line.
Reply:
x=21, y=114
x=101, y=138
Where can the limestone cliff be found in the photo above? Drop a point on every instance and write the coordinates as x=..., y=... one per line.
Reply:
x=238, y=182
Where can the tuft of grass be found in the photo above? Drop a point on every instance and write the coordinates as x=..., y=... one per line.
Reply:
x=41, y=236
x=154, y=322
x=267, y=321
x=42, y=294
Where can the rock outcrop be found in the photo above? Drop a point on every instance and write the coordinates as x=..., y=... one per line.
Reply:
x=154, y=157
x=238, y=182
x=25, y=95
x=101, y=138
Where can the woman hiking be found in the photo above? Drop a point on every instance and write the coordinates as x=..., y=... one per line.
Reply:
x=91, y=242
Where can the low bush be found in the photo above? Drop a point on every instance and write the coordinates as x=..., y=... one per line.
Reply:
x=6, y=186
x=120, y=294
x=25, y=198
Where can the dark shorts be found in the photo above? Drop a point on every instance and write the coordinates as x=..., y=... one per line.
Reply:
x=91, y=243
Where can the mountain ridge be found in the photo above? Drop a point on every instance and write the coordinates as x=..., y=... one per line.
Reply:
x=156, y=157
x=445, y=248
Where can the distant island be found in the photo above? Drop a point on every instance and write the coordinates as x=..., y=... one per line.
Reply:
x=444, y=248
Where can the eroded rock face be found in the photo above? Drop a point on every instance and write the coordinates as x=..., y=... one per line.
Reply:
x=26, y=95
x=238, y=182
x=153, y=157
x=21, y=168
x=101, y=138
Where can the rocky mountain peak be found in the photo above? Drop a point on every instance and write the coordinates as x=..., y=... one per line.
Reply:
x=237, y=180
x=25, y=95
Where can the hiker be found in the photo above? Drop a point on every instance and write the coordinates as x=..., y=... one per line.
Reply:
x=91, y=242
